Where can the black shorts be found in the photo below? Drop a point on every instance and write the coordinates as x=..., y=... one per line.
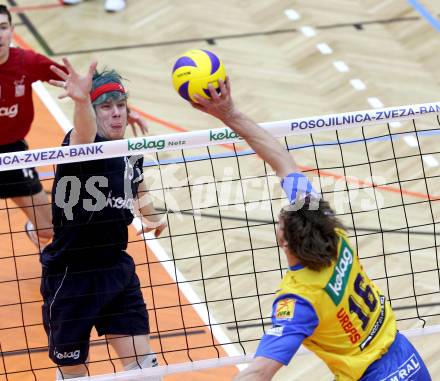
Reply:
x=75, y=301
x=18, y=182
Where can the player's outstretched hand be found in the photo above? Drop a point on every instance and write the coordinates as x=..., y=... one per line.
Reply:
x=137, y=122
x=220, y=105
x=154, y=223
x=76, y=86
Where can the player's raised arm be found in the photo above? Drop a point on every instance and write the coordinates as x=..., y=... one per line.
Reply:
x=78, y=87
x=265, y=145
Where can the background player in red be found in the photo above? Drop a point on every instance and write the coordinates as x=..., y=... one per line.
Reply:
x=19, y=68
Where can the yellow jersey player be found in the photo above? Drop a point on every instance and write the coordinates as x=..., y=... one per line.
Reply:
x=326, y=301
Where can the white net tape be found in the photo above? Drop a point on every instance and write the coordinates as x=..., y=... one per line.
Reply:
x=188, y=140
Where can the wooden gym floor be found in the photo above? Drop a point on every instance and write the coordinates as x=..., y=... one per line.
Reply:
x=280, y=69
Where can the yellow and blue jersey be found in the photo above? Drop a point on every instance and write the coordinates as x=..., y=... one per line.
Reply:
x=338, y=313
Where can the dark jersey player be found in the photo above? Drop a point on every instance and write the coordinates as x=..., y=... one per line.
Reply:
x=88, y=278
x=18, y=70
x=325, y=301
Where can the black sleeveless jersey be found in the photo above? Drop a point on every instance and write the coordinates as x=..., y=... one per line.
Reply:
x=92, y=206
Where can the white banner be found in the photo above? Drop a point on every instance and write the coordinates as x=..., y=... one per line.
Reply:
x=195, y=139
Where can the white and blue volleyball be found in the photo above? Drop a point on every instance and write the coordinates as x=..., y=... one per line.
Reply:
x=194, y=71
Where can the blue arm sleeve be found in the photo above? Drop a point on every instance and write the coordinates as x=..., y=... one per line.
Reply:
x=293, y=320
x=297, y=186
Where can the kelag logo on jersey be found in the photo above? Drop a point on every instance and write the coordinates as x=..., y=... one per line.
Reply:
x=335, y=288
x=10, y=112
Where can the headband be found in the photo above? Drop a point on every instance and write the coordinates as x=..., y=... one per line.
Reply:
x=108, y=87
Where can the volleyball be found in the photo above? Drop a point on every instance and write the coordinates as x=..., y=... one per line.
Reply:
x=194, y=71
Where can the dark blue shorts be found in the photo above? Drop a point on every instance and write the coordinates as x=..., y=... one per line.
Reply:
x=75, y=301
x=18, y=182
x=401, y=363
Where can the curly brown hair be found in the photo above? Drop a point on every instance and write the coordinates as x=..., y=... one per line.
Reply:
x=310, y=234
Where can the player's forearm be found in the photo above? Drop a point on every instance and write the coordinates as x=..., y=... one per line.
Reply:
x=253, y=374
x=144, y=206
x=84, y=123
x=149, y=212
x=261, y=369
x=264, y=144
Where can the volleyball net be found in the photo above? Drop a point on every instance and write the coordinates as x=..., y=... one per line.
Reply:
x=209, y=280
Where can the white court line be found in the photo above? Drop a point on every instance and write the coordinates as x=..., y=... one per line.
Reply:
x=411, y=140
x=358, y=84
x=430, y=160
x=308, y=31
x=341, y=66
x=375, y=102
x=154, y=245
x=324, y=48
x=395, y=124
x=151, y=17
x=292, y=14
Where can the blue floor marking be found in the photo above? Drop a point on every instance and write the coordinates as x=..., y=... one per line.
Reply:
x=425, y=14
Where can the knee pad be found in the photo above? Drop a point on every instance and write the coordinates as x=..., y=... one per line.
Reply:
x=143, y=362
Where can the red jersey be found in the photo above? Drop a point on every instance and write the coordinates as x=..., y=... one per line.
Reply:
x=16, y=76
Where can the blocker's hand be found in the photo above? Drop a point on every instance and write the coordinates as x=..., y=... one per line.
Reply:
x=136, y=121
x=220, y=105
x=154, y=223
x=76, y=86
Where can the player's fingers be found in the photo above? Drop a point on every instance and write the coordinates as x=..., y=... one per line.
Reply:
x=195, y=105
x=92, y=68
x=145, y=229
x=223, y=88
x=200, y=100
x=133, y=128
x=140, y=128
x=213, y=92
x=228, y=84
x=159, y=230
x=62, y=96
x=68, y=65
x=58, y=72
x=142, y=123
x=56, y=83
